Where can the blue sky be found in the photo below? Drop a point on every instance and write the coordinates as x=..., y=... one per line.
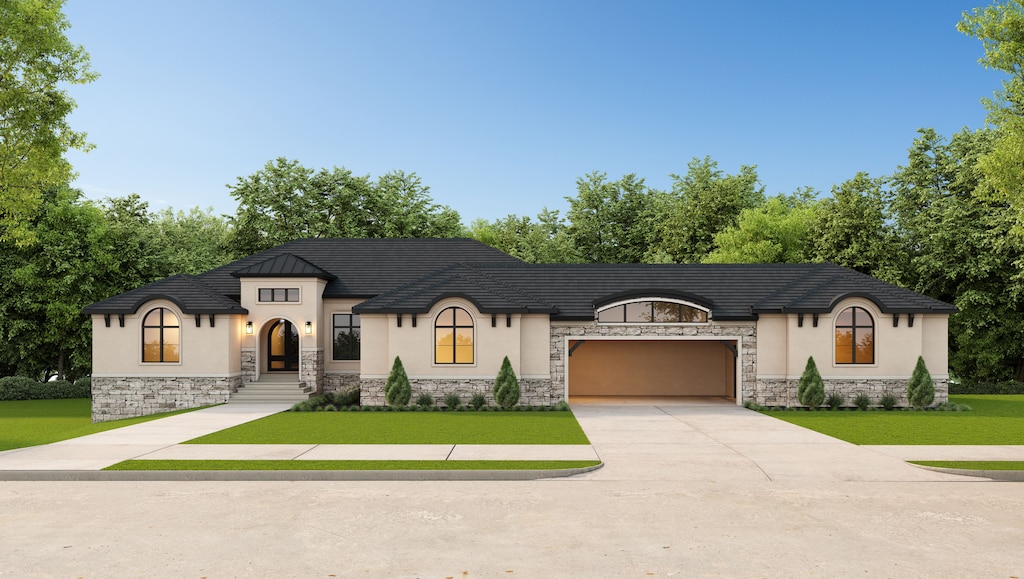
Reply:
x=500, y=106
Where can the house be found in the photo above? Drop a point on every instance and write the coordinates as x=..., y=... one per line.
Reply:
x=317, y=315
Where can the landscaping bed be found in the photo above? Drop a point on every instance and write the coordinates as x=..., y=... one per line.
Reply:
x=993, y=419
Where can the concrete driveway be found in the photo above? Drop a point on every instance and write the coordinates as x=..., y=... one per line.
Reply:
x=713, y=439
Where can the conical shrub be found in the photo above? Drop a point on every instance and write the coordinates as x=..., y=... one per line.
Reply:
x=397, y=390
x=810, y=391
x=506, y=387
x=920, y=388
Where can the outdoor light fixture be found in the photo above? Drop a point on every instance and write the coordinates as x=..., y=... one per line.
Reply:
x=248, y=327
x=309, y=327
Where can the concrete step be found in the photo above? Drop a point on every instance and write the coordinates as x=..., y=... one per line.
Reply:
x=290, y=392
x=273, y=386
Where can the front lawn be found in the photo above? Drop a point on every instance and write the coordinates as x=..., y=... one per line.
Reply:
x=32, y=422
x=994, y=419
x=351, y=464
x=546, y=427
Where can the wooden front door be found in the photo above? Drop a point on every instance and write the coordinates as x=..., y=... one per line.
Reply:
x=282, y=347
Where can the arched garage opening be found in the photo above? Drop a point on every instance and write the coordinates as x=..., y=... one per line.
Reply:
x=652, y=367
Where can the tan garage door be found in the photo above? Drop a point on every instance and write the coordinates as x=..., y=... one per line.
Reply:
x=651, y=368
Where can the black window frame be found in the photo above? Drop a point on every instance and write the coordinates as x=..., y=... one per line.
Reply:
x=161, y=325
x=853, y=326
x=353, y=327
x=278, y=295
x=652, y=315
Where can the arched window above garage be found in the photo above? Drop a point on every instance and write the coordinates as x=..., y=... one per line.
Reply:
x=652, y=311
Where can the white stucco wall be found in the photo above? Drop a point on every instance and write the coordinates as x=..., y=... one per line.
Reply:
x=783, y=346
x=526, y=343
x=204, y=350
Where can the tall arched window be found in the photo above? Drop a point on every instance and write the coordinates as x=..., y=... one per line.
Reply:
x=855, y=337
x=161, y=336
x=453, y=337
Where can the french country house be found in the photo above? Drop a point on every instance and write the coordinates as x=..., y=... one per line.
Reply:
x=317, y=315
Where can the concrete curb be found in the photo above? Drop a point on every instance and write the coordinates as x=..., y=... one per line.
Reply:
x=996, y=475
x=289, y=475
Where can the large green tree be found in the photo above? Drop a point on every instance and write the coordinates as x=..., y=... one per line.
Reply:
x=704, y=202
x=36, y=61
x=776, y=232
x=611, y=221
x=286, y=201
x=545, y=240
x=850, y=228
x=1000, y=27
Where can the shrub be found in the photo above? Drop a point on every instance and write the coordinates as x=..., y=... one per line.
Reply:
x=397, y=390
x=506, y=387
x=953, y=407
x=23, y=388
x=562, y=406
x=1005, y=387
x=862, y=401
x=478, y=401
x=810, y=390
x=84, y=384
x=425, y=400
x=330, y=408
x=349, y=397
x=750, y=404
x=452, y=400
x=920, y=388
x=834, y=400
x=887, y=401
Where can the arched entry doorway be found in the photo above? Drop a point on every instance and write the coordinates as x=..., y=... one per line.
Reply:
x=282, y=347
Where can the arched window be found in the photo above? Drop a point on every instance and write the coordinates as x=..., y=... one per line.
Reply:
x=161, y=336
x=652, y=312
x=855, y=337
x=453, y=337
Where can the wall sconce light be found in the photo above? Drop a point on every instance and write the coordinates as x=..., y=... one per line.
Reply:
x=248, y=327
x=309, y=327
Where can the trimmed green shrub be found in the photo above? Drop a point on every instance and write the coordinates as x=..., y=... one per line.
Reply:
x=477, y=401
x=23, y=388
x=452, y=400
x=562, y=406
x=1005, y=387
x=425, y=400
x=810, y=391
x=349, y=397
x=506, y=387
x=397, y=390
x=920, y=388
x=887, y=401
x=862, y=401
x=834, y=400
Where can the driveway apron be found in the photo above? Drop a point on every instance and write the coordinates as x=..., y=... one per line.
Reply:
x=713, y=439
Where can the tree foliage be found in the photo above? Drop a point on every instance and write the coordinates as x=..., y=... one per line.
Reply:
x=611, y=221
x=36, y=59
x=286, y=201
x=776, y=232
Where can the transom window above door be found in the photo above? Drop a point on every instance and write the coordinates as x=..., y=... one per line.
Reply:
x=652, y=312
x=279, y=294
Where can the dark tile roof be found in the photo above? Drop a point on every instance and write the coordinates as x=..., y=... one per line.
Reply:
x=284, y=265
x=186, y=291
x=410, y=275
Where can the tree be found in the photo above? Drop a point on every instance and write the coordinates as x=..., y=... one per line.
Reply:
x=543, y=241
x=776, y=232
x=36, y=58
x=506, y=386
x=957, y=247
x=397, y=390
x=810, y=390
x=286, y=201
x=703, y=203
x=192, y=242
x=920, y=388
x=1000, y=27
x=850, y=229
x=611, y=221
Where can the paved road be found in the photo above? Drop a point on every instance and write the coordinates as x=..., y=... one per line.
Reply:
x=659, y=510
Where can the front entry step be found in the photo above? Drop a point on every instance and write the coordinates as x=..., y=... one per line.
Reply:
x=274, y=389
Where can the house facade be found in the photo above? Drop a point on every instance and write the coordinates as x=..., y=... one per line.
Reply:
x=321, y=315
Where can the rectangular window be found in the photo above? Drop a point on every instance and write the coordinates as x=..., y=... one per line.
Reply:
x=346, y=336
x=279, y=294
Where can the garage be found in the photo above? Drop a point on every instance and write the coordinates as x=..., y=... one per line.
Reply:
x=651, y=367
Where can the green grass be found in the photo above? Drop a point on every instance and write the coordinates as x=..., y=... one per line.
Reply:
x=551, y=427
x=973, y=464
x=351, y=464
x=994, y=419
x=32, y=422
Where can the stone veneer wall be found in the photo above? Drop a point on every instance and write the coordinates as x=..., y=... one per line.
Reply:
x=311, y=369
x=783, y=392
x=747, y=331
x=338, y=381
x=535, y=392
x=249, y=365
x=114, y=398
